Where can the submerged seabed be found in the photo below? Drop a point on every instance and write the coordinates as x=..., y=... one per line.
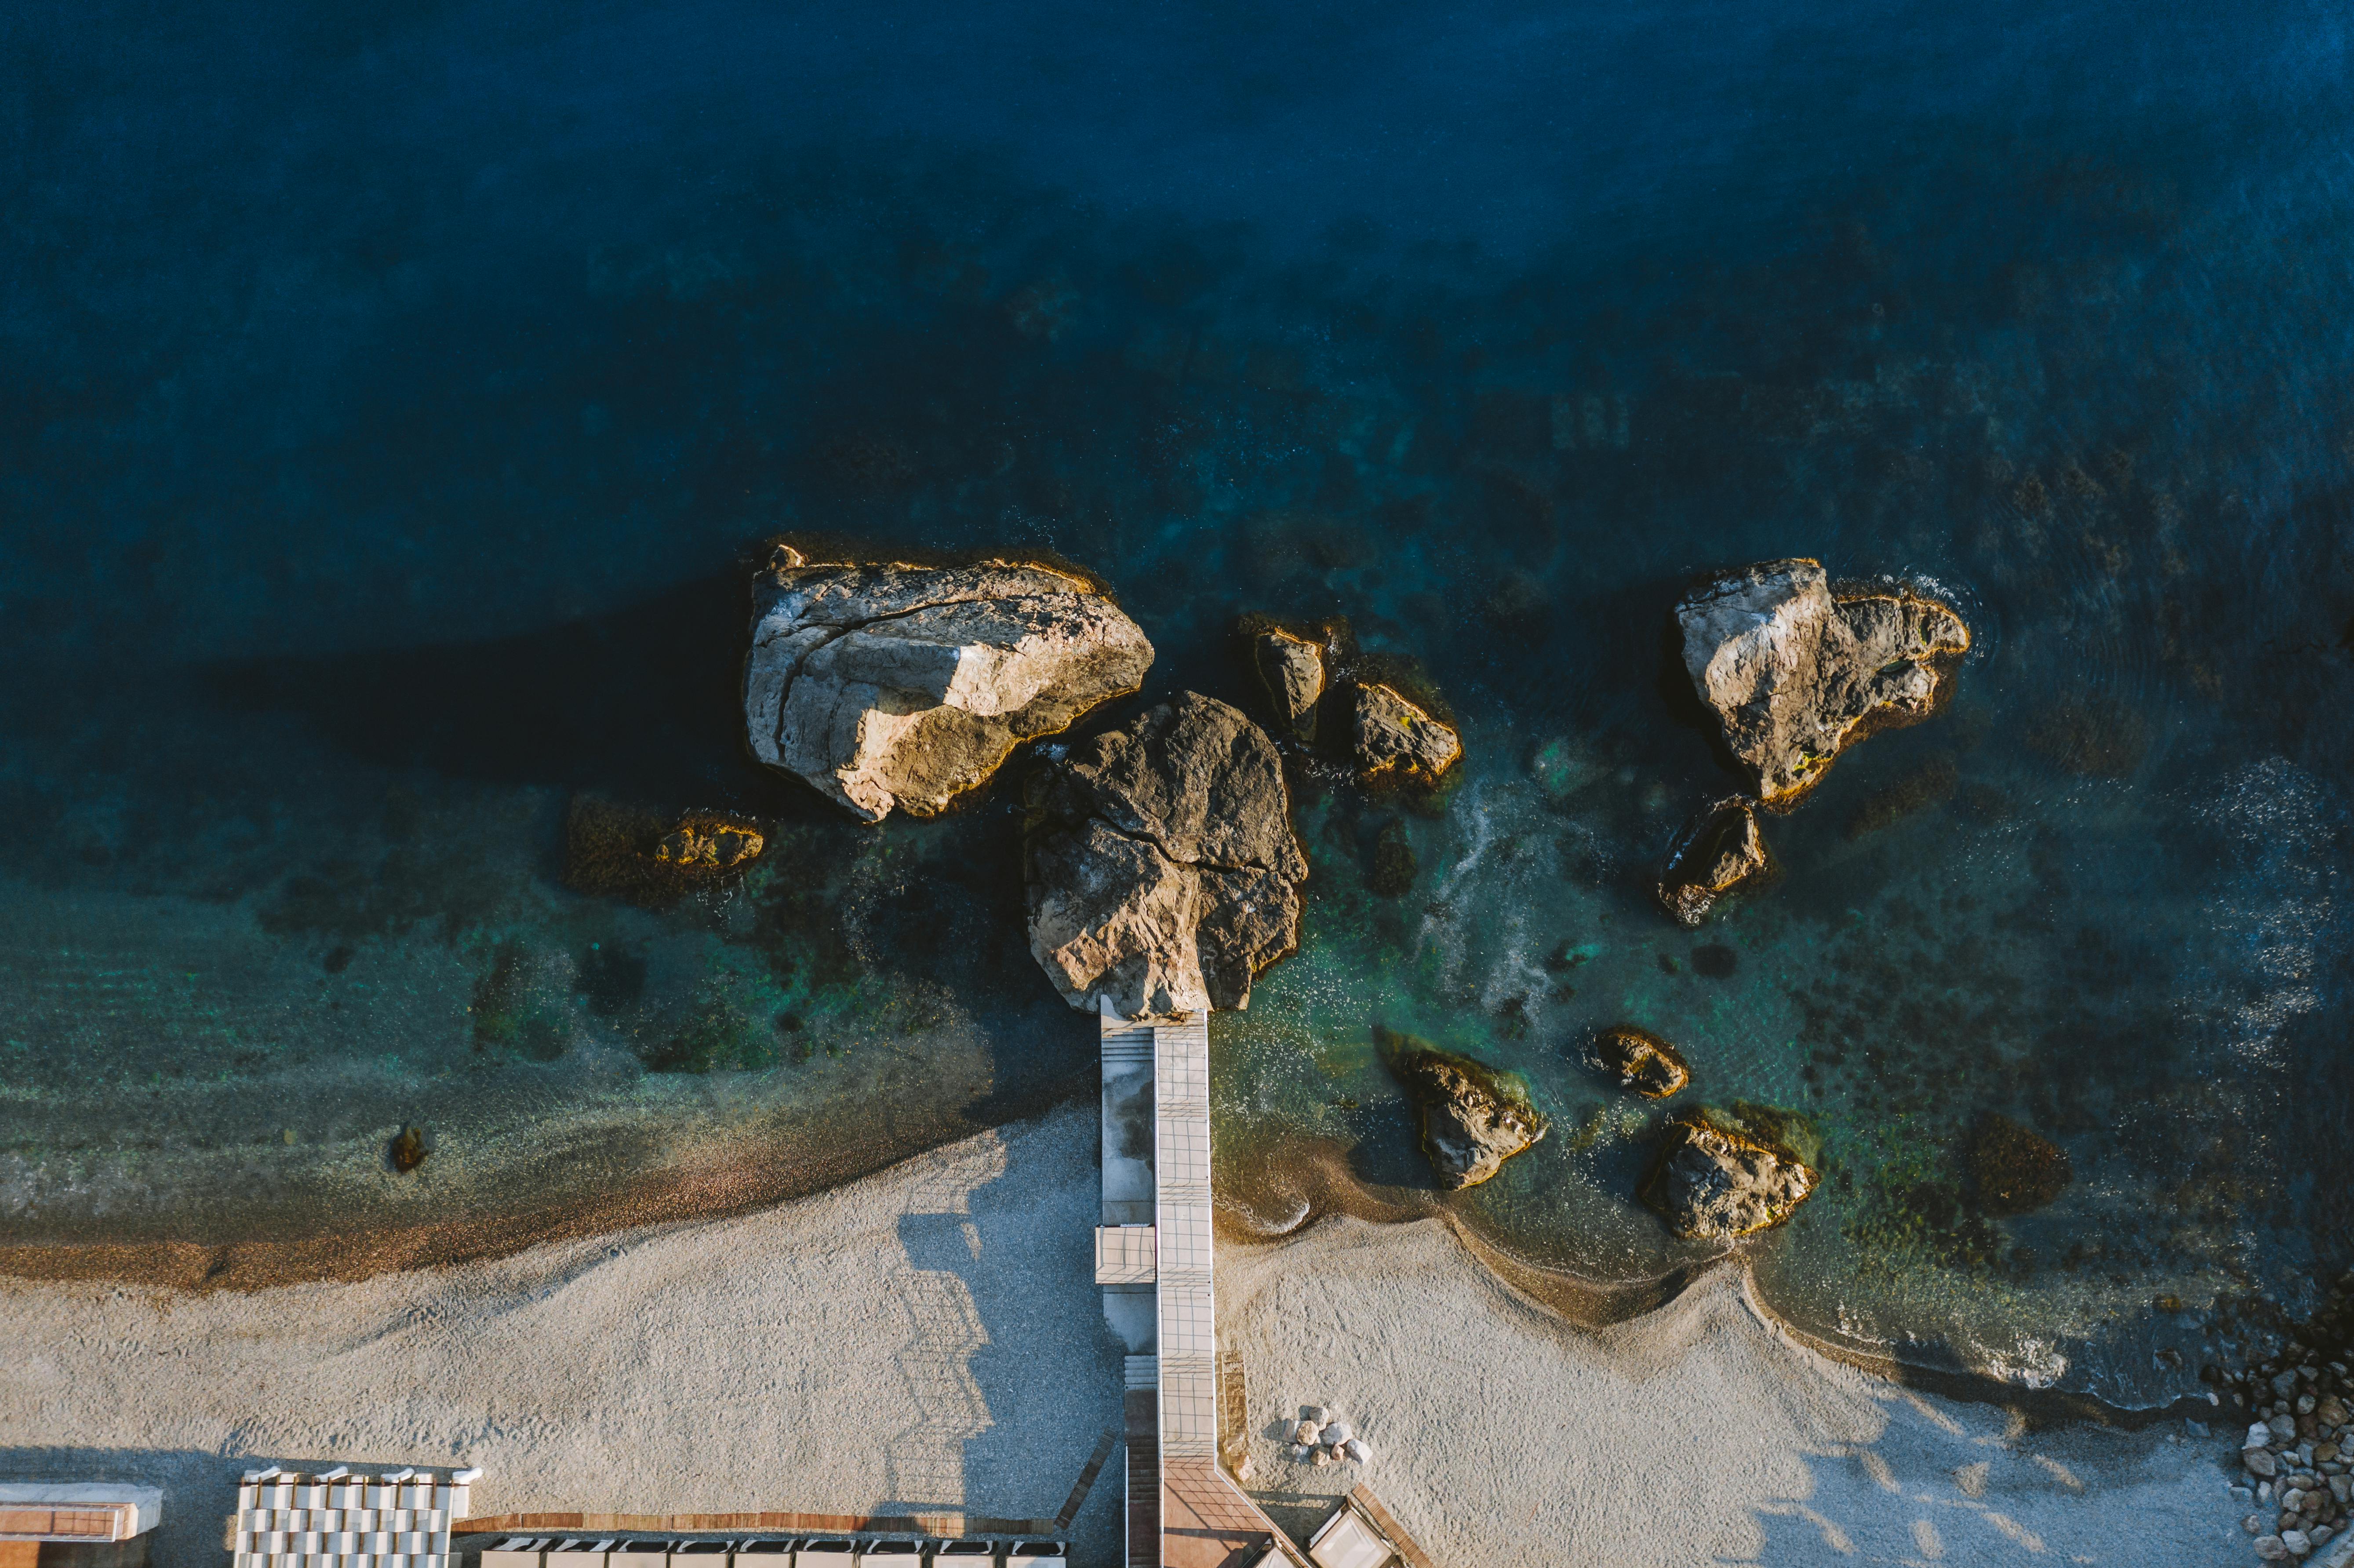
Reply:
x=376, y=515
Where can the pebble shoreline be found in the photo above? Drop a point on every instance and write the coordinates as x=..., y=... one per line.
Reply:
x=2299, y=1445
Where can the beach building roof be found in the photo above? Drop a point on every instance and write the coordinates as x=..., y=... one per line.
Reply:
x=76, y=1510
x=289, y=1519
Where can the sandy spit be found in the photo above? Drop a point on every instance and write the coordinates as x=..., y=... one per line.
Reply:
x=928, y=1337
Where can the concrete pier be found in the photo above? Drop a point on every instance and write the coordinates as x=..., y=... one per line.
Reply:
x=1153, y=1262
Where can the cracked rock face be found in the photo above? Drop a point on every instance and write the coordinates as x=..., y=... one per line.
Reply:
x=1795, y=672
x=1712, y=1182
x=895, y=687
x=1163, y=872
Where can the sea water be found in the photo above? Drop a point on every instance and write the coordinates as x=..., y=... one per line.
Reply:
x=390, y=403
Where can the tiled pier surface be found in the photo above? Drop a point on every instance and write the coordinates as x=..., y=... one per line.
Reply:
x=1153, y=1262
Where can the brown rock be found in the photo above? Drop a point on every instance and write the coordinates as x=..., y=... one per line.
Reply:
x=620, y=851
x=1723, y=851
x=1474, y=1116
x=886, y=685
x=1639, y=1060
x=1163, y=870
x=1393, y=734
x=1291, y=669
x=2014, y=1170
x=409, y=1150
x=1712, y=1180
x=1795, y=672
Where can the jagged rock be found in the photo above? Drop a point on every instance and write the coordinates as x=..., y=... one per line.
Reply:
x=1639, y=1060
x=621, y=851
x=1724, y=849
x=888, y=685
x=1395, y=734
x=1797, y=673
x=1474, y=1116
x=1163, y=872
x=1712, y=1181
x=1291, y=668
x=2015, y=1171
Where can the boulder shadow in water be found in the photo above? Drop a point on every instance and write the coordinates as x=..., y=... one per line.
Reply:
x=642, y=700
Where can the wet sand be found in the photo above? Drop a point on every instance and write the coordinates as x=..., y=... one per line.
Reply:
x=928, y=1338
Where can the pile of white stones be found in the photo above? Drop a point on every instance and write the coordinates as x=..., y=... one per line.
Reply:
x=2295, y=1458
x=1323, y=1438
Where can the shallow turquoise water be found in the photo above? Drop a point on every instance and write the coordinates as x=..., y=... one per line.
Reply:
x=389, y=405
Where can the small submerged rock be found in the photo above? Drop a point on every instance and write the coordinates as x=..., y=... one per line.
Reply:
x=1797, y=671
x=1639, y=1060
x=1724, y=849
x=1474, y=1116
x=621, y=851
x=1713, y=1181
x=411, y=1149
x=2014, y=1169
x=1395, y=865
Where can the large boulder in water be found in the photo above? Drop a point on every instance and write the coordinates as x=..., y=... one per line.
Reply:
x=1163, y=872
x=1716, y=1182
x=1795, y=671
x=886, y=685
x=1291, y=669
x=1639, y=1060
x=1474, y=1116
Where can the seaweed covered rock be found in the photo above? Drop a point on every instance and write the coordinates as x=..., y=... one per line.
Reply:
x=2012, y=1170
x=892, y=686
x=1391, y=733
x=1163, y=870
x=1291, y=669
x=1797, y=671
x=1723, y=851
x=620, y=851
x=1474, y=1116
x=1639, y=1060
x=1717, y=1179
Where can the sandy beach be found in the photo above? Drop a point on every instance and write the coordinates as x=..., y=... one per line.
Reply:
x=929, y=1338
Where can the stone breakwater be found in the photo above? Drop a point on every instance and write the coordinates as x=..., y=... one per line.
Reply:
x=2299, y=1443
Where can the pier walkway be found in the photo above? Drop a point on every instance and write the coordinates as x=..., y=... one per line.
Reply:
x=1154, y=1258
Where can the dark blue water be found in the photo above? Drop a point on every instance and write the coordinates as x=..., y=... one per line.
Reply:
x=386, y=407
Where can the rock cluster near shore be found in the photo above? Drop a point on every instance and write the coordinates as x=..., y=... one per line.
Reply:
x=1321, y=690
x=1797, y=671
x=1161, y=868
x=2298, y=1449
x=887, y=686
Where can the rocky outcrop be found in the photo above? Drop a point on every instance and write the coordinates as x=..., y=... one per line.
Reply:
x=1474, y=1116
x=1712, y=1181
x=1639, y=1060
x=2014, y=1170
x=1163, y=872
x=1795, y=671
x=1724, y=849
x=890, y=687
x=1393, y=734
x=1291, y=669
